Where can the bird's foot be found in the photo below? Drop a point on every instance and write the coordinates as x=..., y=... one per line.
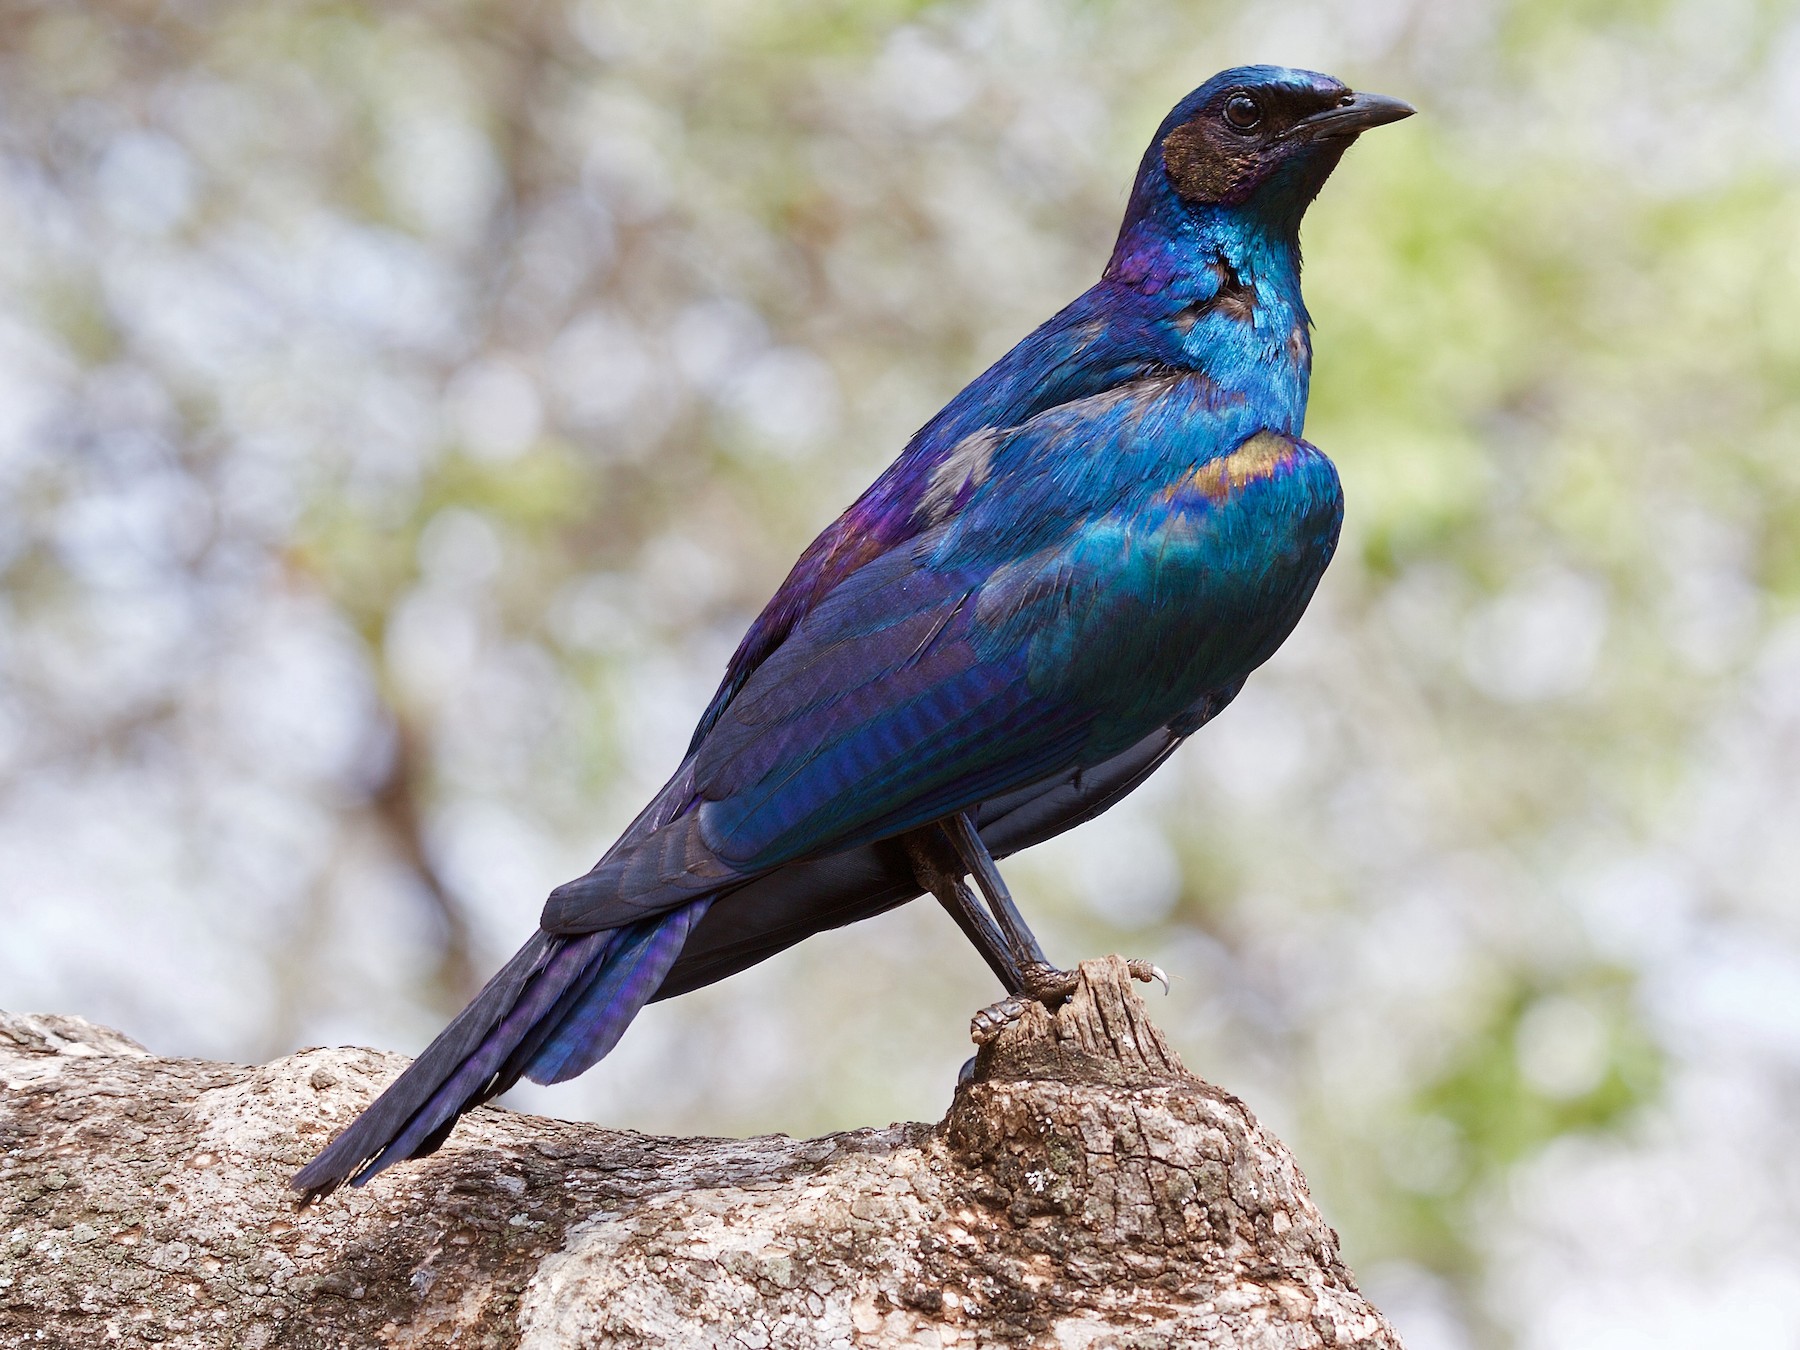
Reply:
x=1045, y=984
x=1051, y=986
x=997, y=1017
x=1048, y=985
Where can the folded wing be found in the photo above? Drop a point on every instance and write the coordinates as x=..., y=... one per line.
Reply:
x=913, y=689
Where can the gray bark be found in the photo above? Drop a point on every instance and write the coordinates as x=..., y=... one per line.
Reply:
x=1084, y=1191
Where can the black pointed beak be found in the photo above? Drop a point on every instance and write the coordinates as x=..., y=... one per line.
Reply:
x=1353, y=115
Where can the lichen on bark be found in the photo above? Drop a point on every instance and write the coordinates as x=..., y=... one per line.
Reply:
x=1084, y=1190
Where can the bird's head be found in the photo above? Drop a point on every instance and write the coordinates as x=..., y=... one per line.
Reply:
x=1254, y=143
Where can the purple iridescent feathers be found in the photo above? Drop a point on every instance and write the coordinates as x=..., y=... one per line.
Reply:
x=1068, y=570
x=555, y=1010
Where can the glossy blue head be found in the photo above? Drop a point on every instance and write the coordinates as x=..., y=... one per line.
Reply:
x=1249, y=149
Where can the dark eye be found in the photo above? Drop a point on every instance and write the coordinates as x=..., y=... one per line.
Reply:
x=1242, y=112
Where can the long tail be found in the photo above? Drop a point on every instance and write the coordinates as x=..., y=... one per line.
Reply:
x=553, y=1011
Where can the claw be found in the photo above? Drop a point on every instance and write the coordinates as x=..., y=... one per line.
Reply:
x=1145, y=973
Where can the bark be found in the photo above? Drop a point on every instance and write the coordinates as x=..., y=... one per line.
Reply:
x=1084, y=1191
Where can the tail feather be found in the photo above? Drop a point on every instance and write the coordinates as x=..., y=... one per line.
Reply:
x=477, y=1078
x=552, y=1011
x=622, y=985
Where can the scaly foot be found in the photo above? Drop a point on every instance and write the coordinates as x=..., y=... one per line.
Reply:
x=997, y=1017
x=1045, y=984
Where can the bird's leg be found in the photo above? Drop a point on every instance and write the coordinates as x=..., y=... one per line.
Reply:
x=936, y=866
x=940, y=860
x=979, y=863
x=1042, y=980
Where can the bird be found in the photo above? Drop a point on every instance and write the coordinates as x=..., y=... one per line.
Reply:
x=1067, y=571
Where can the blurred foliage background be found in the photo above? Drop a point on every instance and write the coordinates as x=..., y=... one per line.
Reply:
x=404, y=408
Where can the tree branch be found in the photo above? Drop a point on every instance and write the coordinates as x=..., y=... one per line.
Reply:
x=1084, y=1190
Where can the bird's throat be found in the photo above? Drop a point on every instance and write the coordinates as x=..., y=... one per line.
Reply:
x=1231, y=303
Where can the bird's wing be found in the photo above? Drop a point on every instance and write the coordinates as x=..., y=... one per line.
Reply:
x=878, y=707
x=912, y=691
x=882, y=712
x=1098, y=343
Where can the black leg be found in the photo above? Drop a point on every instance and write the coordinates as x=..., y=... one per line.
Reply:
x=1042, y=979
x=980, y=864
x=935, y=865
x=941, y=855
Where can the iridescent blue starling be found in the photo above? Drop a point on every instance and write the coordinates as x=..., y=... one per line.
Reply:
x=1068, y=570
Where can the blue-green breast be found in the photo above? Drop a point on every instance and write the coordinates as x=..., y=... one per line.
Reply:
x=1181, y=591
